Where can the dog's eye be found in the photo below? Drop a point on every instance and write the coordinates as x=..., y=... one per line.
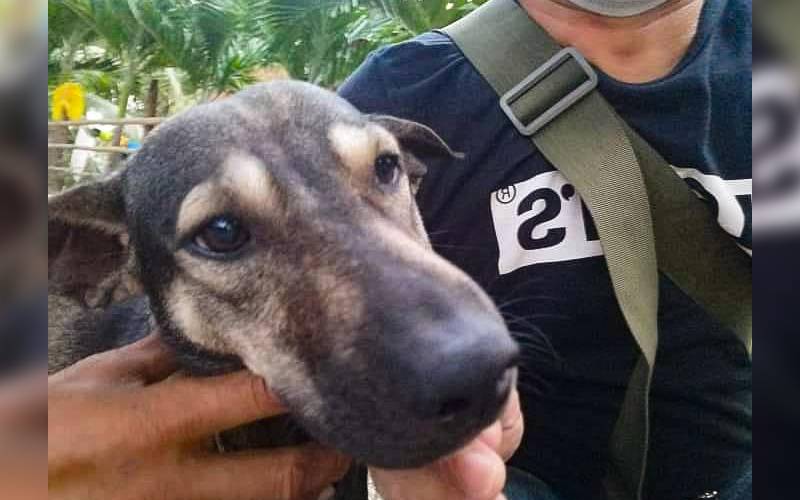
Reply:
x=222, y=235
x=387, y=169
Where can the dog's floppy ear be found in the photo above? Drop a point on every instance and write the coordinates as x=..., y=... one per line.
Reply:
x=88, y=255
x=421, y=140
x=97, y=204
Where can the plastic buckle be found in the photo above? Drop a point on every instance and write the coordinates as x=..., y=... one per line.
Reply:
x=536, y=77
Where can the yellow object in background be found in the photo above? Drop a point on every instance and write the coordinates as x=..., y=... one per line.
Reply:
x=68, y=102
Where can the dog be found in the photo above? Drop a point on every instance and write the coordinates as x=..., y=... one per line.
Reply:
x=277, y=231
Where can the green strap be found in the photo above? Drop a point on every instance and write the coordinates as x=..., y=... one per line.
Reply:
x=640, y=206
x=777, y=22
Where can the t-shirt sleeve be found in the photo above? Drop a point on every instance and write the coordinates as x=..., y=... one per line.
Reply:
x=413, y=80
x=365, y=89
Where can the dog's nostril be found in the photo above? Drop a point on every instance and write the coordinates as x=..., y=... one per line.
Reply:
x=493, y=395
x=452, y=407
x=461, y=370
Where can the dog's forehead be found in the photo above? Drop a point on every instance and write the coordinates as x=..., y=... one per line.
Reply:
x=298, y=119
x=292, y=130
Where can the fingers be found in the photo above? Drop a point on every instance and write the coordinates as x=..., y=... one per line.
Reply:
x=177, y=410
x=146, y=362
x=473, y=473
x=476, y=471
x=513, y=427
x=279, y=474
x=188, y=409
x=416, y=484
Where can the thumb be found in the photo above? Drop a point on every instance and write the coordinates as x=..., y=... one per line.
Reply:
x=476, y=470
x=195, y=408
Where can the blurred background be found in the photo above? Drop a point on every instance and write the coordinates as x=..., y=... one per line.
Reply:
x=776, y=221
x=23, y=250
x=116, y=68
x=23, y=247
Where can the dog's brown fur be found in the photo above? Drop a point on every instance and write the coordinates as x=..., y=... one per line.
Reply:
x=336, y=299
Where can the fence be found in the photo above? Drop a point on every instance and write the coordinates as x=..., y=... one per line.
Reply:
x=58, y=146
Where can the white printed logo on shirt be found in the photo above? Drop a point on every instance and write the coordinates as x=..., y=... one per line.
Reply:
x=543, y=220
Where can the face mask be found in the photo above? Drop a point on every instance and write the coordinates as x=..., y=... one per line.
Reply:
x=618, y=8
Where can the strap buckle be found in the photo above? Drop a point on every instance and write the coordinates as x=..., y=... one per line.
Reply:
x=540, y=74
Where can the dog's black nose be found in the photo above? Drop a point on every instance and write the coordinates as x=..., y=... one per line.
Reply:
x=466, y=371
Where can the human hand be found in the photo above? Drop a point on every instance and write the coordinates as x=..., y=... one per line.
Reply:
x=476, y=472
x=119, y=428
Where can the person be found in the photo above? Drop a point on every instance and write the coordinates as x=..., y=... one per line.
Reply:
x=678, y=71
x=121, y=425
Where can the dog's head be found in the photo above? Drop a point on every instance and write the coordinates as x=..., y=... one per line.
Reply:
x=278, y=228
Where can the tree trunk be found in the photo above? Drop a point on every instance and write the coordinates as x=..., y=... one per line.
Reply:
x=151, y=104
x=59, y=158
x=125, y=91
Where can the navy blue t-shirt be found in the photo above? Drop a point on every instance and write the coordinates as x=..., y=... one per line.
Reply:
x=514, y=223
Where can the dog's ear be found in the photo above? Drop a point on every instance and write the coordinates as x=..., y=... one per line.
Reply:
x=99, y=205
x=422, y=144
x=419, y=139
x=88, y=253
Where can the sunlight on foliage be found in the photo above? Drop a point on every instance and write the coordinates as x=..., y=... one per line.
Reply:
x=158, y=57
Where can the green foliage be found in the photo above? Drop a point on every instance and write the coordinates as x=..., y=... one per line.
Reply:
x=419, y=16
x=310, y=38
x=203, y=48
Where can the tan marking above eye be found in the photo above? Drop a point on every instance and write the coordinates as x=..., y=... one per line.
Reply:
x=359, y=146
x=246, y=177
x=202, y=202
x=387, y=143
x=243, y=180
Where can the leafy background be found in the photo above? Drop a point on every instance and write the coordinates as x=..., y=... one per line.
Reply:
x=157, y=57
x=198, y=49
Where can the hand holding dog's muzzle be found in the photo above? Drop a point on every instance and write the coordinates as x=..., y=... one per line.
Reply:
x=120, y=426
x=476, y=472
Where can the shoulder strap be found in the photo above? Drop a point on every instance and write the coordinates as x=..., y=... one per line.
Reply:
x=646, y=216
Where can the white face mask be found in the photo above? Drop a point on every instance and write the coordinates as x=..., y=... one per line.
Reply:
x=618, y=8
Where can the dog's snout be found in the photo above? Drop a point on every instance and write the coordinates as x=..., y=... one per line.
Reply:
x=467, y=375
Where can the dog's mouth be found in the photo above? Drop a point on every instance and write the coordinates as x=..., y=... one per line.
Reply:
x=414, y=385
x=381, y=431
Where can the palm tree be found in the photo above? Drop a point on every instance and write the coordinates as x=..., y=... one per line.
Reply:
x=194, y=50
x=213, y=43
x=419, y=16
x=161, y=55
x=123, y=39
